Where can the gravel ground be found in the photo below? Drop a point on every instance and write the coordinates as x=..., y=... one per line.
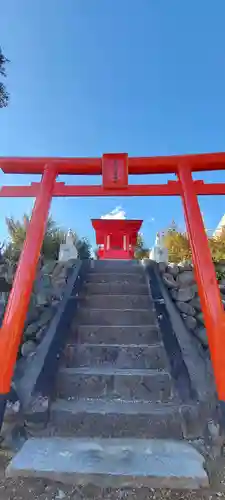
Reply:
x=33, y=489
x=38, y=489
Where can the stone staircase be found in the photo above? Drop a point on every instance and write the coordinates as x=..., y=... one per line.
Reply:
x=116, y=419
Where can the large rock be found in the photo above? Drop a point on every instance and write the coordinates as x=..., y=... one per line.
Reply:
x=43, y=282
x=174, y=294
x=60, y=271
x=220, y=263
x=222, y=288
x=40, y=334
x=173, y=269
x=195, y=288
x=2, y=312
x=49, y=267
x=11, y=273
x=4, y=270
x=5, y=286
x=220, y=266
x=201, y=334
x=33, y=312
x=44, y=298
x=162, y=267
x=200, y=318
x=59, y=282
x=195, y=302
x=185, y=278
x=2, y=309
x=183, y=294
x=58, y=289
x=31, y=331
x=185, y=266
x=28, y=348
x=46, y=316
x=186, y=308
x=190, y=321
x=169, y=280
x=37, y=412
x=43, y=290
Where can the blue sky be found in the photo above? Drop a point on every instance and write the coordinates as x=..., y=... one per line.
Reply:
x=91, y=76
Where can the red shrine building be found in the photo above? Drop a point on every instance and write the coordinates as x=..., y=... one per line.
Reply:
x=116, y=238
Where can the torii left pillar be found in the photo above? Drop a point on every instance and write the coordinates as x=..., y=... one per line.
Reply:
x=15, y=315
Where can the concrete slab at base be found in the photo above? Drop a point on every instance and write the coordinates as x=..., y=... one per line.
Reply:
x=111, y=462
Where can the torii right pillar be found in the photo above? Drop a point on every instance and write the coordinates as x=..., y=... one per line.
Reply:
x=209, y=293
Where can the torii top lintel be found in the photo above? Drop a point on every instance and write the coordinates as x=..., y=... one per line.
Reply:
x=93, y=166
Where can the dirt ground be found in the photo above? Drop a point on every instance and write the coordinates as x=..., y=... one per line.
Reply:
x=33, y=489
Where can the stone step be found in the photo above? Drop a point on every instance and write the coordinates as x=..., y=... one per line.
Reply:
x=118, y=266
x=116, y=317
x=112, y=383
x=119, y=356
x=115, y=289
x=111, y=463
x=116, y=418
x=126, y=278
x=116, y=301
x=101, y=334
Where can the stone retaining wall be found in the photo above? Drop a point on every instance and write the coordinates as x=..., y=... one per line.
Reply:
x=47, y=292
x=180, y=281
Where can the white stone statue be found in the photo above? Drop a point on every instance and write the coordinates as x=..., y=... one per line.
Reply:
x=68, y=250
x=69, y=238
x=159, y=252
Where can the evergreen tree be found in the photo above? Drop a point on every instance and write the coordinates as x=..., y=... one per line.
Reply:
x=54, y=236
x=4, y=96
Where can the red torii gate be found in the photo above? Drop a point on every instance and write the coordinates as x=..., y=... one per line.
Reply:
x=115, y=169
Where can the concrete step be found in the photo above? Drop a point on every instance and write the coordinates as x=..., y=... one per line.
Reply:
x=115, y=289
x=111, y=463
x=116, y=317
x=110, y=334
x=126, y=278
x=116, y=418
x=112, y=383
x=116, y=301
x=119, y=356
